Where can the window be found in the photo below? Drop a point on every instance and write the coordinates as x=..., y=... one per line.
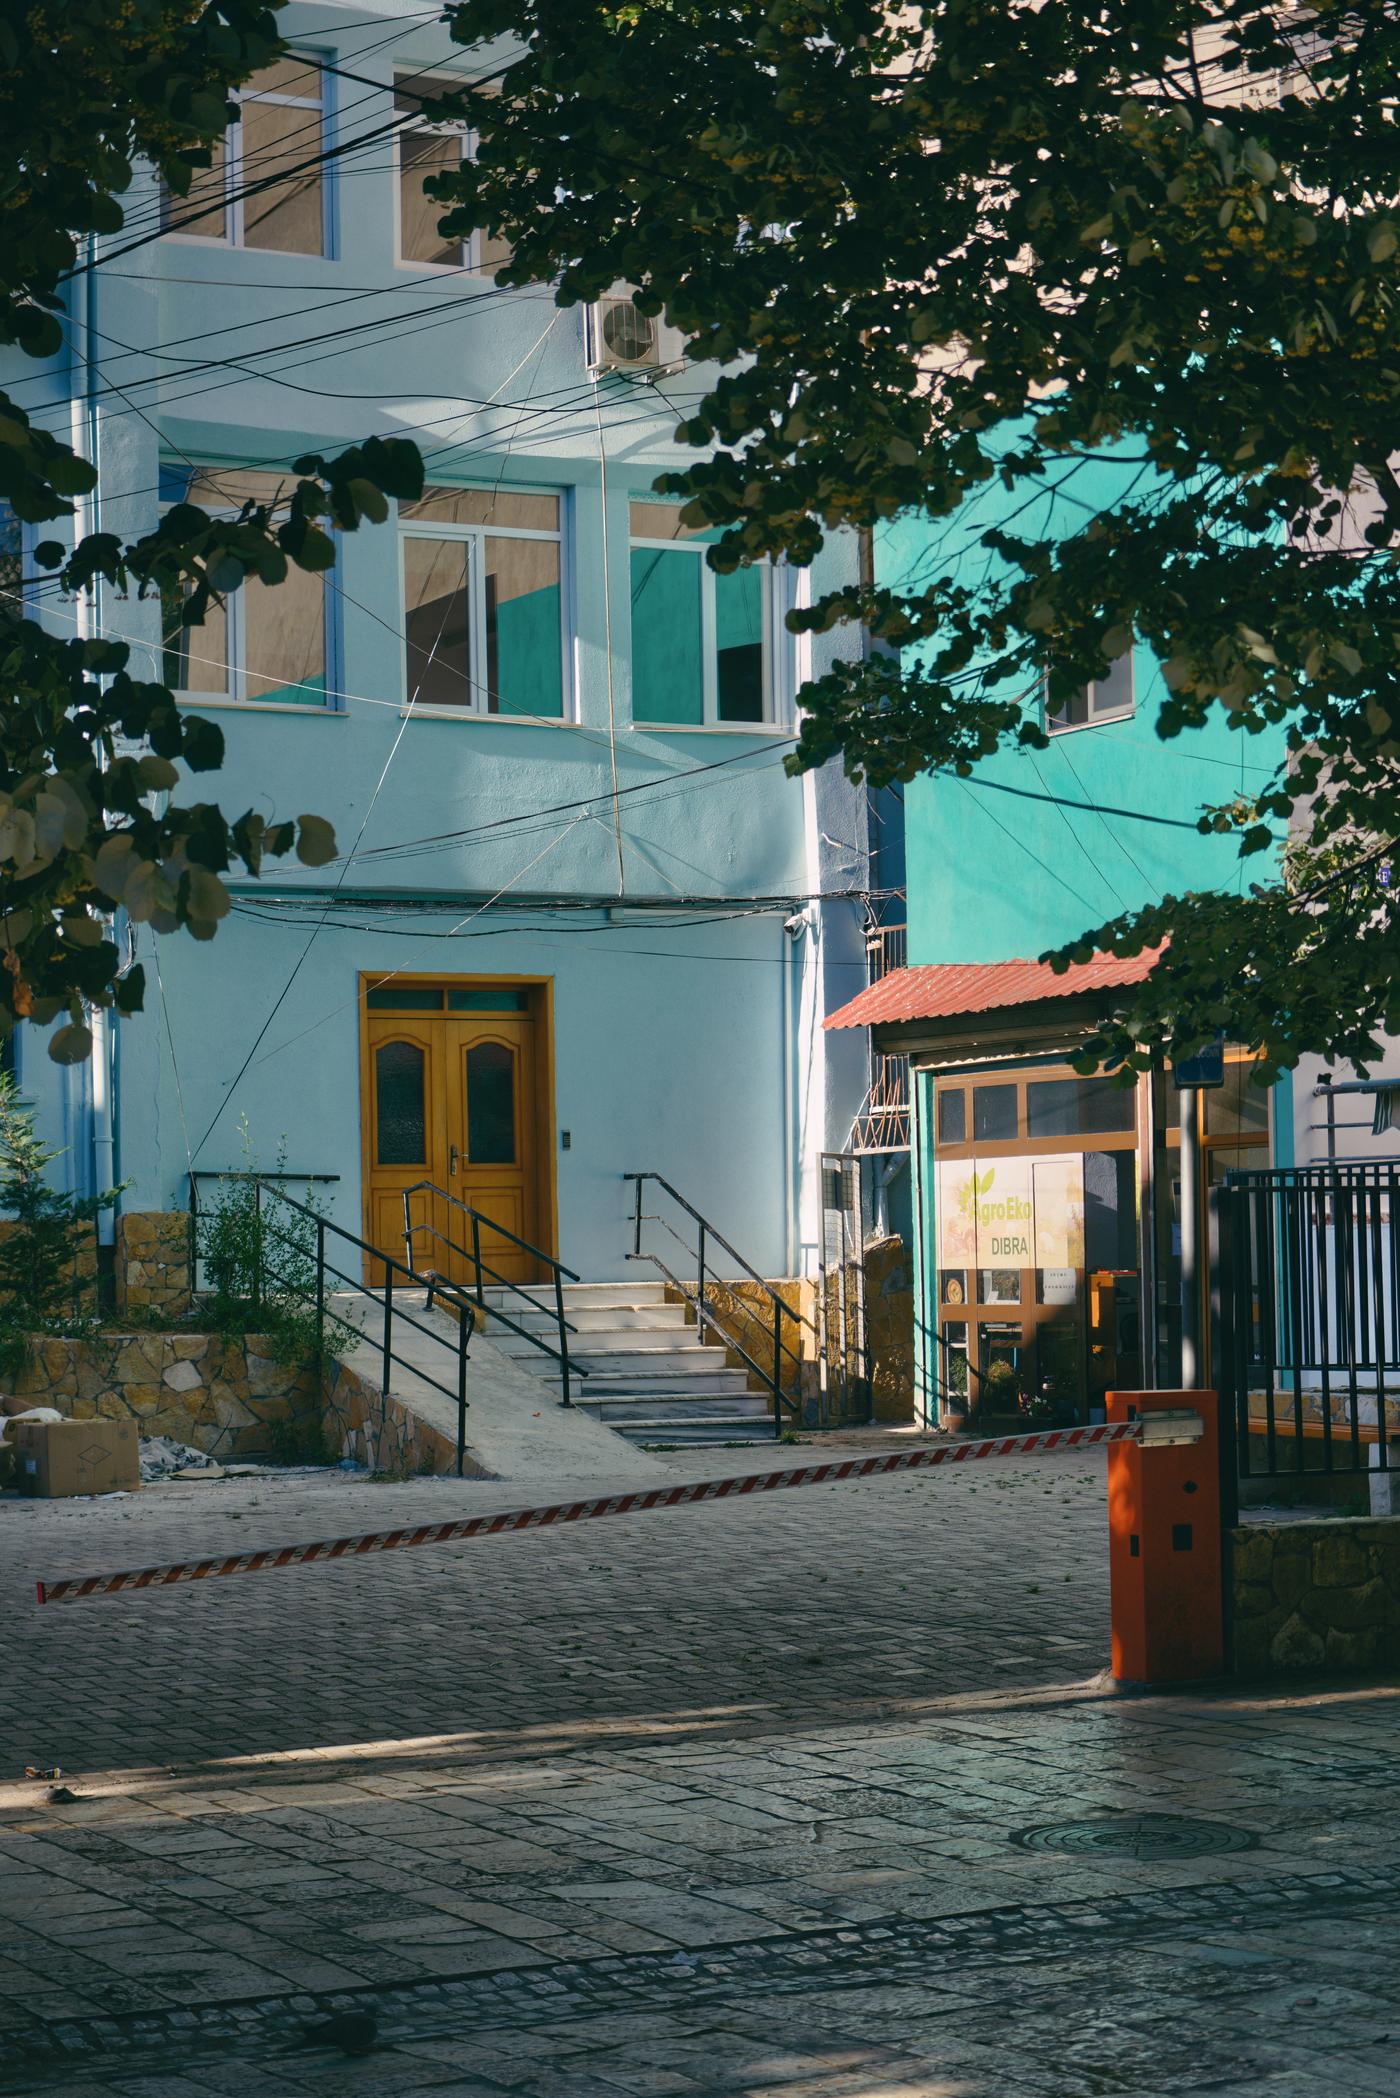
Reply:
x=1106, y=699
x=994, y=1114
x=12, y=604
x=424, y=149
x=702, y=644
x=266, y=187
x=483, y=602
x=266, y=643
x=952, y=1115
x=1078, y=1107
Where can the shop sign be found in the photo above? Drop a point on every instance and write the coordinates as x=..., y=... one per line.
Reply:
x=1011, y=1212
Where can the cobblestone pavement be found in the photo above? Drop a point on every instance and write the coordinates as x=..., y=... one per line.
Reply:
x=762, y=1798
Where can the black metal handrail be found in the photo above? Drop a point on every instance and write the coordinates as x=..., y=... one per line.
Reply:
x=705, y=1314
x=384, y=1302
x=482, y=1269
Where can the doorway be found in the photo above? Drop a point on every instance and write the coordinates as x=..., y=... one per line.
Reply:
x=456, y=1093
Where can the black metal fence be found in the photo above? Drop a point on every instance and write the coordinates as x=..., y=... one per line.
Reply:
x=1307, y=1327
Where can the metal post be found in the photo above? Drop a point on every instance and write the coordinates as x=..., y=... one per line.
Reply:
x=320, y=1289
x=476, y=1258
x=778, y=1368
x=700, y=1310
x=461, y=1394
x=388, y=1321
x=1190, y=1169
x=637, y=1219
x=566, y=1398
x=257, y=1246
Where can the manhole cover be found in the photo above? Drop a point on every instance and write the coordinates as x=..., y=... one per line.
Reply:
x=1136, y=1836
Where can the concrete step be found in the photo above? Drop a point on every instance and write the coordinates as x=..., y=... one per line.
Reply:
x=661, y=1384
x=695, y=1427
x=702, y=1370
x=607, y=1340
x=600, y=1318
x=585, y=1295
x=662, y=1406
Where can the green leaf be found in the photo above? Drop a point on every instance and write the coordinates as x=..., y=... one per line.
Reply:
x=316, y=845
x=71, y=1044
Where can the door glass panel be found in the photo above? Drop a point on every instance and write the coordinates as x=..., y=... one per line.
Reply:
x=490, y=1105
x=398, y=1099
x=404, y=999
x=486, y=1001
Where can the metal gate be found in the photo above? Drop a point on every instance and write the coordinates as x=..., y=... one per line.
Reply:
x=843, y=1350
x=1308, y=1316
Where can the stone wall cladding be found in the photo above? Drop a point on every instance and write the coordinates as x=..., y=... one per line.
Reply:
x=360, y=1422
x=227, y=1397
x=153, y=1261
x=1316, y=1596
x=889, y=1317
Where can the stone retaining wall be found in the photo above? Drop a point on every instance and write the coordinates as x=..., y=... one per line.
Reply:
x=382, y=1433
x=227, y=1397
x=1310, y=1596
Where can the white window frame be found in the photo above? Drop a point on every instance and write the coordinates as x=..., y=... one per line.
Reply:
x=475, y=706
x=778, y=655
x=236, y=692
x=1060, y=727
x=471, y=247
x=232, y=235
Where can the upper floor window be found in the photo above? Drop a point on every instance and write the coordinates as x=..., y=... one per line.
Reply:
x=424, y=149
x=483, y=602
x=1106, y=699
x=266, y=187
x=702, y=644
x=266, y=643
x=12, y=577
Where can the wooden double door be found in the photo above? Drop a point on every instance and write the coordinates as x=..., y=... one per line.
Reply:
x=452, y=1098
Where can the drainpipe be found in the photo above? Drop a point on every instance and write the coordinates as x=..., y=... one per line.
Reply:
x=102, y=1068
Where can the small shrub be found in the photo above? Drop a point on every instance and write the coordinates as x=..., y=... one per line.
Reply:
x=299, y=1438
x=259, y=1255
x=41, y=1288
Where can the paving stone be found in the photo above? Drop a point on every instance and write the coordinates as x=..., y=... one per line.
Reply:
x=717, y=1802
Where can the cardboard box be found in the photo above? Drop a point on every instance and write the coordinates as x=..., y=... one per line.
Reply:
x=58, y=1459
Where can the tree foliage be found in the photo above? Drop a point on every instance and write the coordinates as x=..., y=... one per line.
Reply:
x=939, y=248
x=92, y=755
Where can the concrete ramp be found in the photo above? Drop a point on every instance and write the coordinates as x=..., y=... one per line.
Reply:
x=516, y=1428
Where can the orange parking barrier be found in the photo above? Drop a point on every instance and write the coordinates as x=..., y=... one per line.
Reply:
x=1166, y=1580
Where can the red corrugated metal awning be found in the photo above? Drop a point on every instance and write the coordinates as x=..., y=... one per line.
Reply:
x=943, y=990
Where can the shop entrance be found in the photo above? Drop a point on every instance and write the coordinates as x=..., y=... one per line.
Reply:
x=453, y=1092
x=1037, y=1222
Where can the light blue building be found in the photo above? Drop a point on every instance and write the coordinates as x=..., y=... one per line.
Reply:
x=582, y=924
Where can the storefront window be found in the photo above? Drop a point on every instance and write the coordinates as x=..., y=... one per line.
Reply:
x=1078, y=1107
x=952, y=1115
x=994, y=1114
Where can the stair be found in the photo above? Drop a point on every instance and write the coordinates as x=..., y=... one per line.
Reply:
x=650, y=1377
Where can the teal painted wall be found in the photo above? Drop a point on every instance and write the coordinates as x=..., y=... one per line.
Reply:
x=1004, y=864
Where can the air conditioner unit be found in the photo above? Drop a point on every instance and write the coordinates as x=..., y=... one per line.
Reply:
x=619, y=338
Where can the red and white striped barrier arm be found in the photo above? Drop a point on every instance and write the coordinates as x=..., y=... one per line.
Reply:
x=81, y=1587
